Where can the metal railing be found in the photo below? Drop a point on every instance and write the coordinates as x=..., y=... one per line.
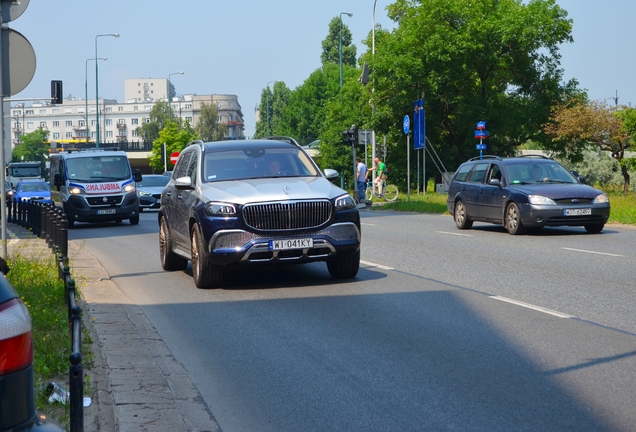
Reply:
x=48, y=222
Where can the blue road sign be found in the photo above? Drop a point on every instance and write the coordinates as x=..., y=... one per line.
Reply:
x=481, y=125
x=419, y=125
x=481, y=134
x=407, y=123
x=481, y=146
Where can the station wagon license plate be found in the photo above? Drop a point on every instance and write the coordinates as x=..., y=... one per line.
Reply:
x=577, y=212
x=288, y=244
x=106, y=211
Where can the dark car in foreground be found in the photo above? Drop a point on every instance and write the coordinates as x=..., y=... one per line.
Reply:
x=524, y=192
x=255, y=202
x=17, y=394
x=149, y=190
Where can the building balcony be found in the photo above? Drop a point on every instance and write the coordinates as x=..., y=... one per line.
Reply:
x=121, y=126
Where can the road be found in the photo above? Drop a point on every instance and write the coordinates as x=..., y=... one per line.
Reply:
x=426, y=338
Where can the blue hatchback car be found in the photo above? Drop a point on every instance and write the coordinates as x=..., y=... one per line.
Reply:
x=524, y=192
x=33, y=190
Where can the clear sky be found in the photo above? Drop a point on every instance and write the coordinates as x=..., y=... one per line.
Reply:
x=226, y=47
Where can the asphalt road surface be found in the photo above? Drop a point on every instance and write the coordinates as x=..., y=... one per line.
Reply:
x=441, y=330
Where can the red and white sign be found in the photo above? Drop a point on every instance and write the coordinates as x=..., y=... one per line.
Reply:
x=173, y=157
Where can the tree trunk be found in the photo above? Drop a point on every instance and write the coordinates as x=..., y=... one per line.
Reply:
x=626, y=177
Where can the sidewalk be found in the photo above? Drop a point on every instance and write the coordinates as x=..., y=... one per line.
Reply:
x=136, y=383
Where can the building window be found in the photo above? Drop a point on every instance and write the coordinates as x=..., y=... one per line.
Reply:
x=134, y=121
x=148, y=108
x=93, y=135
x=56, y=124
x=134, y=132
x=146, y=119
x=121, y=108
x=56, y=135
x=135, y=108
x=219, y=119
x=123, y=132
x=81, y=123
x=43, y=124
x=68, y=110
x=56, y=111
x=69, y=135
x=121, y=121
x=189, y=119
x=109, y=122
x=29, y=112
x=42, y=112
x=109, y=134
x=69, y=123
x=93, y=122
x=187, y=106
x=108, y=110
x=29, y=125
x=81, y=110
x=17, y=113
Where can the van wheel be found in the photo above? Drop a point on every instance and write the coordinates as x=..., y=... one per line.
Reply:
x=69, y=218
x=206, y=274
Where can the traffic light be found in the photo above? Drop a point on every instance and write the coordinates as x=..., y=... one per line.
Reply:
x=350, y=136
x=56, y=92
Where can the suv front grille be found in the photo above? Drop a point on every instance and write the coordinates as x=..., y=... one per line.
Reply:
x=290, y=215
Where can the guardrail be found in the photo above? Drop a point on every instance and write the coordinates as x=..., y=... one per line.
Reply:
x=48, y=222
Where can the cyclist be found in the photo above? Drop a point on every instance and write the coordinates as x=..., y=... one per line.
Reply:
x=380, y=171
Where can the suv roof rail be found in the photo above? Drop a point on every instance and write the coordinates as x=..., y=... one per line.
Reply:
x=537, y=156
x=484, y=157
x=282, y=138
x=195, y=142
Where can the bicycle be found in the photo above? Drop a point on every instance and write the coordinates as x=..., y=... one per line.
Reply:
x=390, y=192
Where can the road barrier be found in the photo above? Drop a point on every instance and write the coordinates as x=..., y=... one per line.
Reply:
x=48, y=222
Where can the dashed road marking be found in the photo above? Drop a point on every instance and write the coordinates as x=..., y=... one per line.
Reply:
x=380, y=266
x=534, y=307
x=453, y=233
x=593, y=252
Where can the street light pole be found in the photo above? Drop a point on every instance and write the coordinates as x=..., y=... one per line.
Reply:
x=86, y=91
x=340, y=46
x=373, y=78
x=267, y=99
x=97, y=86
x=169, y=98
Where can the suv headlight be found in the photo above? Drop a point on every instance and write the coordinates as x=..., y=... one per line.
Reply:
x=144, y=193
x=344, y=202
x=220, y=209
x=540, y=200
x=601, y=199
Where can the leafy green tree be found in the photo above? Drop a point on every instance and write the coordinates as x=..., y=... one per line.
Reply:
x=33, y=147
x=331, y=45
x=175, y=138
x=208, y=126
x=159, y=118
x=273, y=103
x=470, y=60
x=578, y=124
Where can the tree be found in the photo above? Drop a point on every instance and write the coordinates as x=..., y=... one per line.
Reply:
x=175, y=137
x=159, y=117
x=331, y=45
x=578, y=124
x=273, y=102
x=33, y=147
x=470, y=60
x=208, y=126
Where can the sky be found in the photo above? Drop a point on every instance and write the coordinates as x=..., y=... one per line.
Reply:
x=226, y=47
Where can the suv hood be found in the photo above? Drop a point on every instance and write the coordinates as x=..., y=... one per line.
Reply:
x=271, y=189
x=558, y=191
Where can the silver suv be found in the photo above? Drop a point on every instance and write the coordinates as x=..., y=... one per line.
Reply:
x=254, y=202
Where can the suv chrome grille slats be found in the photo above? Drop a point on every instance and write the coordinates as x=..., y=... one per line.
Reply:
x=289, y=215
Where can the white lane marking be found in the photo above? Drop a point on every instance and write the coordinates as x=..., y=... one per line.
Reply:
x=457, y=234
x=368, y=224
x=531, y=306
x=380, y=266
x=593, y=252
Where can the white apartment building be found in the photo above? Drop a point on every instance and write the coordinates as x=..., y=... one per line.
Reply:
x=75, y=121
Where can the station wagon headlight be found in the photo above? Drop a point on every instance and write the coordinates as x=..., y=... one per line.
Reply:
x=540, y=200
x=344, y=202
x=220, y=209
x=601, y=199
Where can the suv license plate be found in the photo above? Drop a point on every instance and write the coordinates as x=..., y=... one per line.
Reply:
x=300, y=243
x=577, y=212
x=106, y=211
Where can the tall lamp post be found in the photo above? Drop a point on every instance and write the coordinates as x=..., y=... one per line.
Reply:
x=97, y=86
x=169, y=98
x=86, y=90
x=373, y=77
x=340, y=38
x=267, y=99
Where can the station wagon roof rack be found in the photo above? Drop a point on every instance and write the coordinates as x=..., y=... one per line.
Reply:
x=195, y=142
x=533, y=156
x=484, y=157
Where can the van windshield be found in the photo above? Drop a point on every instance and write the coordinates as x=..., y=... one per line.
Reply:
x=98, y=168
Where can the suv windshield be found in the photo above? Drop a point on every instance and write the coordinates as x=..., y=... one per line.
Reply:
x=265, y=162
x=530, y=172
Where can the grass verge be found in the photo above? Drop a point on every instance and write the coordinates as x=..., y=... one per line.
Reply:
x=36, y=280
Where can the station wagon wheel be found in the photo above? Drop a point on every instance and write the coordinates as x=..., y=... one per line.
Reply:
x=593, y=229
x=169, y=260
x=513, y=220
x=461, y=216
x=206, y=274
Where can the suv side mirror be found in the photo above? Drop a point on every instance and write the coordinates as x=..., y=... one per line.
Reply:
x=331, y=175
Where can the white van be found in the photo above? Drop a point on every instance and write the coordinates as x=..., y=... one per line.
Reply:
x=95, y=185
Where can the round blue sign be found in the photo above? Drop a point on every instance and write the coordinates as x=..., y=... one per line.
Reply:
x=407, y=123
